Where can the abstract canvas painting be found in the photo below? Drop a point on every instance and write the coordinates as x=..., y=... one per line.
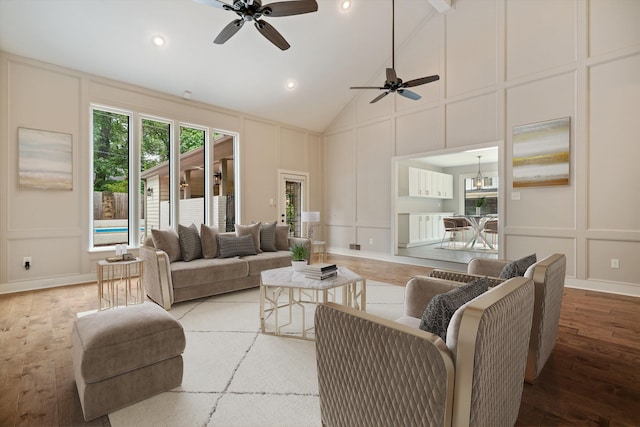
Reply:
x=541, y=153
x=44, y=160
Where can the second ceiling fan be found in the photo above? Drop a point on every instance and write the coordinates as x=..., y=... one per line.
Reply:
x=393, y=83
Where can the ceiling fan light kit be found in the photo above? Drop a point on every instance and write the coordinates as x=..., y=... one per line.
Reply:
x=253, y=10
x=393, y=83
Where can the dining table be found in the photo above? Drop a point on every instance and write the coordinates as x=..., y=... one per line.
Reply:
x=477, y=225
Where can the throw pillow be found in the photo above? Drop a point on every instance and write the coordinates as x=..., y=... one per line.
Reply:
x=253, y=230
x=282, y=237
x=438, y=313
x=230, y=246
x=209, y=238
x=517, y=267
x=268, y=237
x=189, y=242
x=168, y=241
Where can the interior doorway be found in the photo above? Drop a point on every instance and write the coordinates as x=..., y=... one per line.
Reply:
x=292, y=200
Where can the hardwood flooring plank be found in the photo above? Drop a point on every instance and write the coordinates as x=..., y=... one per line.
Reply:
x=37, y=404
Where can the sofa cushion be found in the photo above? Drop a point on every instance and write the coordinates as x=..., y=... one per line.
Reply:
x=517, y=267
x=268, y=237
x=231, y=246
x=206, y=271
x=253, y=230
x=267, y=261
x=168, y=241
x=209, y=240
x=282, y=237
x=438, y=313
x=190, y=245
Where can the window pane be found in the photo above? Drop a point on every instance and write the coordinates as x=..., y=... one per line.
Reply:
x=154, y=175
x=293, y=195
x=224, y=210
x=486, y=198
x=192, y=173
x=111, y=178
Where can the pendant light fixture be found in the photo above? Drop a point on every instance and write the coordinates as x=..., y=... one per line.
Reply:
x=478, y=181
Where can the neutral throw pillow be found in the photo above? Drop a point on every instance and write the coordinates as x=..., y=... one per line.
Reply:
x=230, y=246
x=438, y=313
x=253, y=230
x=268, y=237
x=282, y=237
x=168, y=241
x=209, y=238
x=517, y=267
x=189, y=242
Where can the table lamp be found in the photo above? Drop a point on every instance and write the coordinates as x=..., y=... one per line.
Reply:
x=310, y=218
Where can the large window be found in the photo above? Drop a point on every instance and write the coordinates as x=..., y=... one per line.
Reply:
x=174, y=174
x=110, y=178
x=155, y=175
x=484, y=200
x=193, y=171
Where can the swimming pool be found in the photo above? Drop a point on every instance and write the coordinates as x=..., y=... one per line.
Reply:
x=113, y=229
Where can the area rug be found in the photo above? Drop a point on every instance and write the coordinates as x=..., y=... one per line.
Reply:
x=236, y=376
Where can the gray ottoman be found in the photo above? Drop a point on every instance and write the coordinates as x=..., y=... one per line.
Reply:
x=125, y=355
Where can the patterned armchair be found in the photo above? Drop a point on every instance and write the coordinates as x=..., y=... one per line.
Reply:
x=548, y=276
x=375, y=372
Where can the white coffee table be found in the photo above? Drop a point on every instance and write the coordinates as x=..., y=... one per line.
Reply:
x=285, y=289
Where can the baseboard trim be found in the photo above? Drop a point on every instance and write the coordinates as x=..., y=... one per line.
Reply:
x=49, y=282
x=607, y=287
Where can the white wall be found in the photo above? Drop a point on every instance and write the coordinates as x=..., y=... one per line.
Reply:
x=53, y=226
x=504, y=63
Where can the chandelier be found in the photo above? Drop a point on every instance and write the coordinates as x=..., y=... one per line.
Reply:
x=478, y=181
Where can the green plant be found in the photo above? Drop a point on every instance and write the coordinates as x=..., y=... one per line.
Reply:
x=480, y=202
x=299, y=252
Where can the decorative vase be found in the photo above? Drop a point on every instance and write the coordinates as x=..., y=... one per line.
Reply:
x=299, y=265
x=478, y=211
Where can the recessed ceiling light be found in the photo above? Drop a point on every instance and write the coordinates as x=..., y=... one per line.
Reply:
x=345, y=4
x=291, y=85
x=158, y=40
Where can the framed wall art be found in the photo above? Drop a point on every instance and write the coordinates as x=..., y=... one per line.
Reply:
x=45, y=160
x=541, y=153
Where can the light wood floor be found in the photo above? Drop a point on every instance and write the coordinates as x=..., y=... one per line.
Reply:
x=591, y=379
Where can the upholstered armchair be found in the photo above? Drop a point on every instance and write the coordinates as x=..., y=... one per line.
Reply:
x=548, y=277
x=376, y=372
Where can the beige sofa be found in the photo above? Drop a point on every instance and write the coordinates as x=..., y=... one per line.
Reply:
x=373, y=371
x=167, y=282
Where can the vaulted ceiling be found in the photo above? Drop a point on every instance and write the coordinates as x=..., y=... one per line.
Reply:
x=330, y=50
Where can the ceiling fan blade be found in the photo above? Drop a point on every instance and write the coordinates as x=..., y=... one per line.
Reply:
x=409, y=94
x=391, y=75
x=272, y=34
x=215, y=3
x=228, y=31
x=421, y=81
x=367, y=87
x=379, y=97
x=288, y=8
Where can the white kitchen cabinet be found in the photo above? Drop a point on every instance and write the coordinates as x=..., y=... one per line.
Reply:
x=416, y=229
x=426, y=183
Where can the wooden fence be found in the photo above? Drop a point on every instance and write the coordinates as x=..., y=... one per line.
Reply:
x=109, y=205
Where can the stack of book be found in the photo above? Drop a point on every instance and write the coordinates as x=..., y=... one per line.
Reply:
x=320, y=271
